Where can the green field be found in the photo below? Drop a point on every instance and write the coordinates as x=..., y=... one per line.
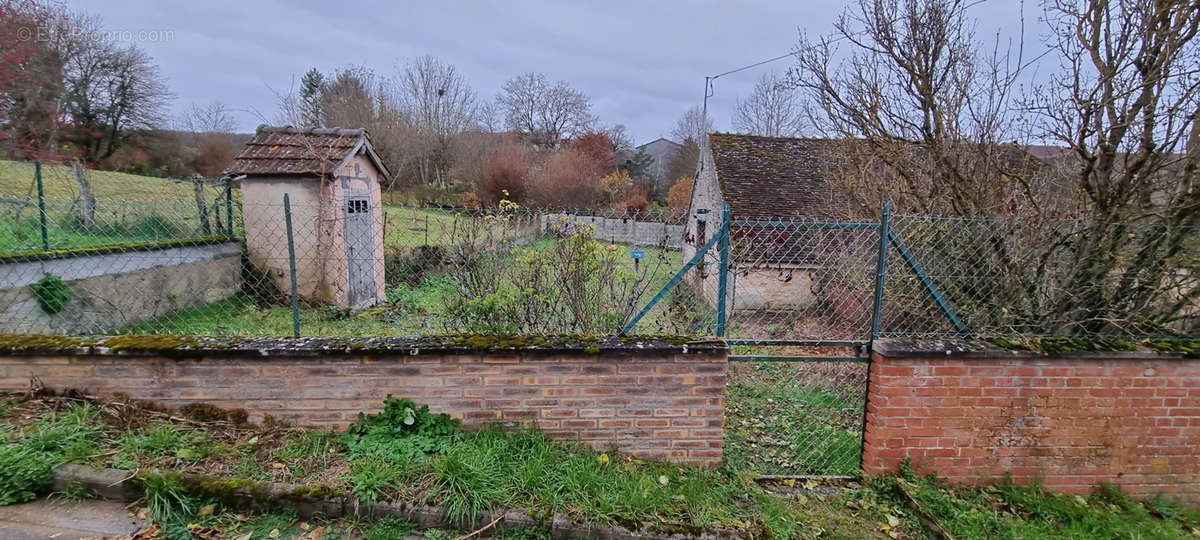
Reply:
x=129, y=209
x=58, y=182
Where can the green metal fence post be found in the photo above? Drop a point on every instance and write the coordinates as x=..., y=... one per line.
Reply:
x=37, y=174
x=287, y=217
x=723, y=272
x=229, y=206
x=885, y=218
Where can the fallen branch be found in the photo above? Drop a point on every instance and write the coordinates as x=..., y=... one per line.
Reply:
x=926, y=516
x=484, y=528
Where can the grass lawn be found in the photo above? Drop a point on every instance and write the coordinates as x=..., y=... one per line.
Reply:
x=412, y=227
x=410, y=456
x=129, y=209
x=58, y=183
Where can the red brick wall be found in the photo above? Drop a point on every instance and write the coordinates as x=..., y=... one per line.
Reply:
x=653, y=404
x=1071, y=421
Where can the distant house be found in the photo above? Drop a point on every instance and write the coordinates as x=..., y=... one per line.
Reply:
x=769, y=181
x=663, y=151
x=332, y=178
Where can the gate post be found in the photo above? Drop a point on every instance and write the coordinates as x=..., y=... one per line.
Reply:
x=229, y=205
x=287, y=217
x=723, y=271
x=880, y=270
x=37, y=175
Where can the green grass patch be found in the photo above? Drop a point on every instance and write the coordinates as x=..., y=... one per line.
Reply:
x=780, y=420
x=1008, y=510
x=411, y=456
x=438, y=303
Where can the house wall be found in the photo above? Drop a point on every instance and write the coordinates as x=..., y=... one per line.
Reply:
x=748, y=290
x=651, y=402
x=266, y=232
x=113, y=290
x=1069, y=421
x=318, y=230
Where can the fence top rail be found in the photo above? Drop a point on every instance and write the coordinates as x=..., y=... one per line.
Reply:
x=802, y=222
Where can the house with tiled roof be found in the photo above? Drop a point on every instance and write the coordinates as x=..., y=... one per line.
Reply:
x=332, y=179
x=773, y=185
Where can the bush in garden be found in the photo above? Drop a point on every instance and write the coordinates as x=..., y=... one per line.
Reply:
x=573, y=284
x=597, y=147
x=569, y=179
x=505, y=175
x=680, y=194
x=636, y=202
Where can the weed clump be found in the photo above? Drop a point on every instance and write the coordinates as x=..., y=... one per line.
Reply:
x=401, y=431
x=52, y=293
x=24, y=473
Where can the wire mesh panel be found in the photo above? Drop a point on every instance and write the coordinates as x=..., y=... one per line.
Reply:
x=796, y=418
x=357, y=267
x=993, y=278
x=801, y=280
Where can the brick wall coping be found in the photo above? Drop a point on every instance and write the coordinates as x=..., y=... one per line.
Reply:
x=170, y=345
x=978, y=349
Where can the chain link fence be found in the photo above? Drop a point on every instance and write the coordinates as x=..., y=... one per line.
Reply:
x=802, y=298
x=356, y=268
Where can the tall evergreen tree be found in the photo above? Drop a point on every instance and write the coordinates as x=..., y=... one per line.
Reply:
x=311, y=86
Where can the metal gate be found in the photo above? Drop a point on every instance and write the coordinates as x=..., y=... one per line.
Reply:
x=799, y=302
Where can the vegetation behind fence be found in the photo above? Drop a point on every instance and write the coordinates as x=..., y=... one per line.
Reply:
x=210, y=266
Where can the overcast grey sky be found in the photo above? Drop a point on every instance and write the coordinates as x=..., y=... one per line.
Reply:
x=642, y=63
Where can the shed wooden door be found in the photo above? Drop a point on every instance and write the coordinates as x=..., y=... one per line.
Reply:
x=360, y=251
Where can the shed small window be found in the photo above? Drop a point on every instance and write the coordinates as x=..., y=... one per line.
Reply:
x=356, y=206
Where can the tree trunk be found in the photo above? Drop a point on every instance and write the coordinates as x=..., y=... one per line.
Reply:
x=198, y=188
x=87, y=199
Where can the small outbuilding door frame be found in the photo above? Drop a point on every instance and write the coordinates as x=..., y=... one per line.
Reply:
x=360, y=248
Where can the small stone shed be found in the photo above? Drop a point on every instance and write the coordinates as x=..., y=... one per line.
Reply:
x=332, y=177
x=774, y=182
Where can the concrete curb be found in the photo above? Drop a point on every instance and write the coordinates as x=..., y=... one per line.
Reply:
x=309, y=501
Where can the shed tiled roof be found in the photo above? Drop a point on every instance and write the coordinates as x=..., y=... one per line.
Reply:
x=290, y=151
x=775, y=177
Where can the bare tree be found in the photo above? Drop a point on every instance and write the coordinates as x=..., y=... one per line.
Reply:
x=923, y=121
x=211, y=117
x=1128, y=108
x=110, y=91
x=442, y=104
x=773, y=109
x=350, y=98
x=618, y=135
x=545, y=111
x=694, y=125
x=920, y=105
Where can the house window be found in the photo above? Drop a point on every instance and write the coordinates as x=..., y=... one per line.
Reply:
x=701, y=239
x=356, y=206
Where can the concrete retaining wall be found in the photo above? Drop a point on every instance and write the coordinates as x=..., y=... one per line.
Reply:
x=117, y=289
x=626, y=231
